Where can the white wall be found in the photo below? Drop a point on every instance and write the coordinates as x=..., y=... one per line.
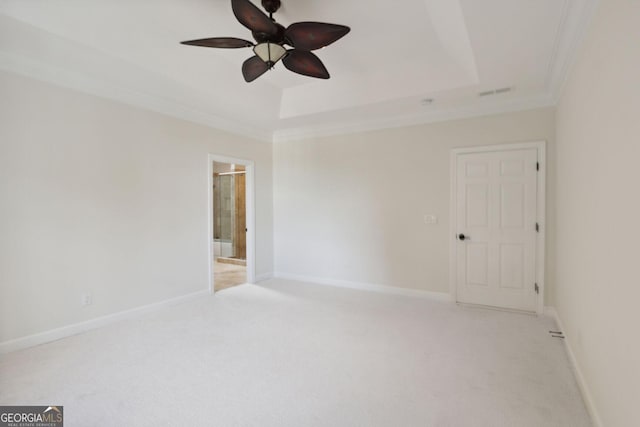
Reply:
x=598, y=205
x=351, y=207
x=100, y=197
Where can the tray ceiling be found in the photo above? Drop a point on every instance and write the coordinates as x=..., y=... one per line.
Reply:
x=404, y=62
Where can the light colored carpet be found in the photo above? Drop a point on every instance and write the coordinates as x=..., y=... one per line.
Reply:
x=293, y=354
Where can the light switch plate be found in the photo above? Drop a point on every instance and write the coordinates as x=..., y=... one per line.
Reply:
x=430, y=219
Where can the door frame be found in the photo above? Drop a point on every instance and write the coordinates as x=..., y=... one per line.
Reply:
x=540, y=146
x=250, y=214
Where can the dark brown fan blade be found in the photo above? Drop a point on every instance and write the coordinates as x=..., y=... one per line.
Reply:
x=305, y=63
x=253, y=68
x=221, y=42
x=252, y=17
x=314, y=35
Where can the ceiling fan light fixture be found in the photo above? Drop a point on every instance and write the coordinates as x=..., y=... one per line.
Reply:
x=269, y=52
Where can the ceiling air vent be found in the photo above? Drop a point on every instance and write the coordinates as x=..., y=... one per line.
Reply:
x=495, y=91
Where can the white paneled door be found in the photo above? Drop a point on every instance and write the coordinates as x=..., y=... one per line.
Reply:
x=496, y=197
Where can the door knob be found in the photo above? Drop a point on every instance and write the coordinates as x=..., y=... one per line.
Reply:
x=463, y=237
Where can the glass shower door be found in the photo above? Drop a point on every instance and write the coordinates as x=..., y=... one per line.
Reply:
x=229, y=215
x=224, y=213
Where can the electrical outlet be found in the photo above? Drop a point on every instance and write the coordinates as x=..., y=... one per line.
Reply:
x=430, y=219
x=86, y=299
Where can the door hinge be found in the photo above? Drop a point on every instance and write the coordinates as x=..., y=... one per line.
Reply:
x=537, y=166
x=537, y=227
x=537, y=288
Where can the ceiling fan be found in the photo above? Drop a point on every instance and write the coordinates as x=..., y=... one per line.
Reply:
x=271, y=39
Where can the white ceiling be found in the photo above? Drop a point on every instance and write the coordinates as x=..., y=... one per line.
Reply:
x=397, y=54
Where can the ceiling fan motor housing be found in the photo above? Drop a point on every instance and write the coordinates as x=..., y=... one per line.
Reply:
x=271, y=6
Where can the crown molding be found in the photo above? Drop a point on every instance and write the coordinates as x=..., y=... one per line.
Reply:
x=574, y=27
x=92, y=85
x=497, y=107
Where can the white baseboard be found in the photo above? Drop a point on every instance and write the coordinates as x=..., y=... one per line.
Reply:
x=263, y=277
x=77, y=328
x=582, y=383
x=392, y=290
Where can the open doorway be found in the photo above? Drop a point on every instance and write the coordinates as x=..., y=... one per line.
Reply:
x=229, y=231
